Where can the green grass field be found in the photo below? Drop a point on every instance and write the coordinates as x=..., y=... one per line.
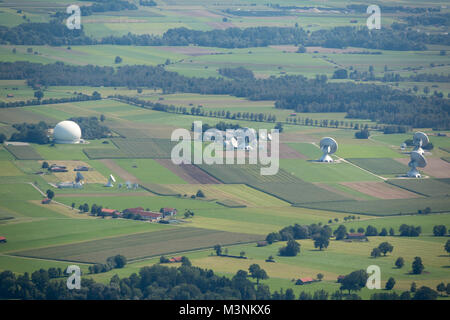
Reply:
x=140, y=245
x=380, y=166
x=428, y=187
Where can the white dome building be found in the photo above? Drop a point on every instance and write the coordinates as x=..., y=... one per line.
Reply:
x=67, y=132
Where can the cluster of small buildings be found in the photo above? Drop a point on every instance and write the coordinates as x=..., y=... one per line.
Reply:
x=144, y=214
x=57, y=168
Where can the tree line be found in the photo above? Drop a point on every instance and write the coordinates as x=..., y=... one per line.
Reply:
x=378, y=103
x=185, y=282
x=398, y=38
x=36, y=102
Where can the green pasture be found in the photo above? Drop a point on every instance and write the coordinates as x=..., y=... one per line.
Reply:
x=325, y=172
x=381, y=166
x=384, y=207
x=149, y=171
x=427, y=187
x=141, y=245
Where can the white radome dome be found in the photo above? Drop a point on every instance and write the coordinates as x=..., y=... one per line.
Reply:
x=67, y=132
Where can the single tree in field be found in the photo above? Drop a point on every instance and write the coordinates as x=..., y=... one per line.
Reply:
x=45, y=165
x=383, y=232
x=73, y=205
x=385, y=247
x=375, y=253
x=440, y=230
x=390, y=284
x=38, y=94
x=50, y=194
x=354, y=281
x=118, y=59
x=218, y=249
x=242, y=254
x=257, y=273
x=291, y=250
x=425, y=293
x=319, y=276
x=341, y=232
x=322, y=241
x=447, y=246
x=400, y=262
x=441, y=288
x=120, y=261
x=391, y=232
x=417, y=265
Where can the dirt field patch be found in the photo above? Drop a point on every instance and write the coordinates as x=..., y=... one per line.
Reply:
x=436, y=167
x=380, y=190
x=91, y=176
x=189, y=172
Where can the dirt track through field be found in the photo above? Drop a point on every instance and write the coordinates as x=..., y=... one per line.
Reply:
x=380, y=190
x=125, y=175
x=189, y=172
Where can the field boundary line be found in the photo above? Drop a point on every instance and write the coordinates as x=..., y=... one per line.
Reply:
x=410, y=190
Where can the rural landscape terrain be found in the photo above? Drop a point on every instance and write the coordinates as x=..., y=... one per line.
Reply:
x=141, y=227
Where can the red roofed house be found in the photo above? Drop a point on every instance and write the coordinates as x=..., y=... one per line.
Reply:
x=109, y=212
x=145, y=215
x=168, y=212
x=356, y=236
x=46, y=201
x=3, y=239
x=303, y=281
x=175, y=259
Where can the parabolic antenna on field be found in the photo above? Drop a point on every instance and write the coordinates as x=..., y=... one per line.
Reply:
x=417, y=161
x=420, y=140
x=328, y=146
x=111, y=179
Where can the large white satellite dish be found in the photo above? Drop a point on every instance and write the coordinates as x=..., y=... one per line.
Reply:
x=420, y=140
x=328, y=146
x=111, y=181
x=417, y=161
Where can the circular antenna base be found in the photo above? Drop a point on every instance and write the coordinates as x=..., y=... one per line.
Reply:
x=326, y=158
x=413, y=173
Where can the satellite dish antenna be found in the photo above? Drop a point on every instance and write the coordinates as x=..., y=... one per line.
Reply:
x=111, y=180
x=420, y=140
x=79, y=177
x=417, y=161
x=234, y=143
x=328, y=146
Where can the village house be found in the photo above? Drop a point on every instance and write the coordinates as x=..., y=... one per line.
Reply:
x=2, y=240
x=168, y=212
x=175, y=259
x=306, y=280
x=145, y=215
x=109, y=212
x=356, y=237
